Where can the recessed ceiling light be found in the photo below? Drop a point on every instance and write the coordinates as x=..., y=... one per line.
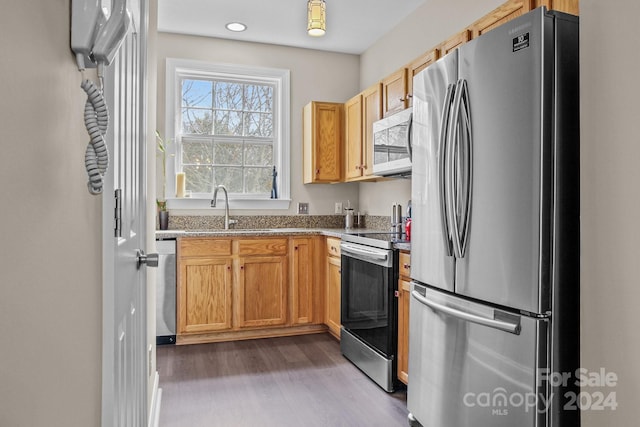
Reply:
x=236, y=26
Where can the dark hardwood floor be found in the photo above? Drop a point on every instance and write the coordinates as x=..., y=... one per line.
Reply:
x=283, y=382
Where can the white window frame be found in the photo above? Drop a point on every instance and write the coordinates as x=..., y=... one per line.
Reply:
x=177, y=69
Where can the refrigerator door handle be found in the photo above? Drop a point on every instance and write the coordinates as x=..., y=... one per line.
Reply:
x=467, y=167
x=444, y=137
x=503, y=325
x=459, y=165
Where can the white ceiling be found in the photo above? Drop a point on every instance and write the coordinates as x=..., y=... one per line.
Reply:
x=352, y=25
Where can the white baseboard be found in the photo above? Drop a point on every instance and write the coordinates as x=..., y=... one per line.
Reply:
x=156, y=402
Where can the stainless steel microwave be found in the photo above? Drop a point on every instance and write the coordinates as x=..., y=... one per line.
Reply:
x=392, y=144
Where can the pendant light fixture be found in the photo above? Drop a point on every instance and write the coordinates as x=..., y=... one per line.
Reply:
x=317, y=18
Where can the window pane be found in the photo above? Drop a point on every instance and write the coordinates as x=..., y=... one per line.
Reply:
x=228, y=123
x=199, y=178
x=197, y=93
x=227, y=153
x=258, y=154
x=199, y=152
x=228, y=96
x=258, y=98
x=230, y=177
x=259, y=124
x=258, y=180
x=196, y=121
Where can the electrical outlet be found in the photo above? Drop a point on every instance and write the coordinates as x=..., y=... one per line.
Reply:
x=338, y=208
x=303, y=208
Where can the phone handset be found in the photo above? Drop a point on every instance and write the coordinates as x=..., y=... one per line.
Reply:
x=95, y=40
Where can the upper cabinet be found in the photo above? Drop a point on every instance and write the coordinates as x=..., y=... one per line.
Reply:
x=455, y=41
x=418, y=65
x=567, y=6
x=360, y=113
x=322, y=142
x=353, y=138
x=394, y=92
x=499, y=16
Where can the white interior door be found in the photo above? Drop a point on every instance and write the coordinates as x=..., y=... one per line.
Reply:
x=125, y=361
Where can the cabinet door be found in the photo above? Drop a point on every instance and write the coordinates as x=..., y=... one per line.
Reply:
x=418, y=65
x=371, y=112
x=261, y=291
x=404, y=293
x=499, y=16
x=353, y=138
x=567, y=6
x=394, y=92
x=204, y=289
x=322, y=142
x=455, y=42
x=333, y=296
x=302, y=281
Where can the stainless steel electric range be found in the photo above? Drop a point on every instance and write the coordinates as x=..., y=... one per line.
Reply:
x=368, y=310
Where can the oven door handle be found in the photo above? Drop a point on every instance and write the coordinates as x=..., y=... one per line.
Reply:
x=375, y=256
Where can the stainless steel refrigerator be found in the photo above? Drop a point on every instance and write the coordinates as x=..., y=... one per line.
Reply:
x=494, y=312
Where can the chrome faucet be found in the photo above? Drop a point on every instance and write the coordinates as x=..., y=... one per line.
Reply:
x=227, y=221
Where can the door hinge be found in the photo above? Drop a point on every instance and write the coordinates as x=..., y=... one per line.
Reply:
x=118, y=214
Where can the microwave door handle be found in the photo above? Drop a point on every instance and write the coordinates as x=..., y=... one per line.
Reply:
x=442, y=159
x=512, y=327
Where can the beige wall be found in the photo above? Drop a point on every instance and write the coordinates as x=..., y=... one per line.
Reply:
x=315, y=76
x=430, y=24
x=50, y=258
x=610, y=205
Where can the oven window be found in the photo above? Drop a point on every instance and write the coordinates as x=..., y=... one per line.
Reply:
x=367, y=303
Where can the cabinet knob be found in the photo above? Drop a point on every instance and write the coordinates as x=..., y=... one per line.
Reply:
x=407, y=266
x=295, y=248
x=228, y=267
x=409, y=96
x=396, y=294
x=242, y=267
x=317, y=171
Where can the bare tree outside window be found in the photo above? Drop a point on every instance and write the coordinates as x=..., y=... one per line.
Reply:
x=227, y=135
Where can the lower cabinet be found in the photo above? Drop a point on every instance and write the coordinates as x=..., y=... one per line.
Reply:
x=262, y=293
x=333, y=287
x=239, y=288
x=404, y=295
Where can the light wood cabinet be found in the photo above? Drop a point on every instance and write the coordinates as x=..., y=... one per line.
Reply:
x=360, y=113
x=322, y=142
x=306, y=300
x=394, y=92
x=455, y=41
x=353, y=138
x=333, y=286
x=237, y=288
x=404, y=297
x=262, y=292
x=499, y=16
x=567, y=6
x=205, y=293
x=418, y=65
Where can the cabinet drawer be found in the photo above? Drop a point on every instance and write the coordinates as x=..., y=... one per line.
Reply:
x=191, y=247
x=262, y=246
x=404, y=260
x=333, y=247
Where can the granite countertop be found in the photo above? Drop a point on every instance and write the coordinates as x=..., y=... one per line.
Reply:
x=265, y=232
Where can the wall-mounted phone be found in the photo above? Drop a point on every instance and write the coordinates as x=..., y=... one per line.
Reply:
x=98, y=28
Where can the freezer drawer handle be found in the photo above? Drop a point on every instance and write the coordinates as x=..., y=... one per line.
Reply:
x=511, y=327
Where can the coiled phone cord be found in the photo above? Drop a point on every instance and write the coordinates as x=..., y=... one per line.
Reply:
x=96, y=120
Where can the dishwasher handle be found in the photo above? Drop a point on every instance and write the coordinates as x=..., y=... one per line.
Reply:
x=506, y=326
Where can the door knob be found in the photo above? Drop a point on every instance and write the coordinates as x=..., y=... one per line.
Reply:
x=151, y=260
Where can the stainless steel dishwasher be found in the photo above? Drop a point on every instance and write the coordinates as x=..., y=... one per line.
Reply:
x=166, y=292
